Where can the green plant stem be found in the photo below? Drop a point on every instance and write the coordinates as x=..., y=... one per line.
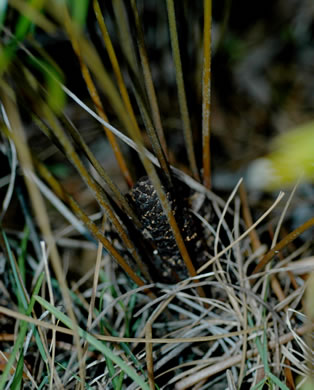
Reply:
x=181, y=92
x=206, y=85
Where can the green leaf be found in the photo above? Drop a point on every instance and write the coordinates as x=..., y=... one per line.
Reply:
x=21, y=258
x=56, y=97
x=79, y=11
x=24, y=23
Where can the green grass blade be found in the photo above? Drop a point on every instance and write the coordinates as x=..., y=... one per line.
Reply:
x=153, y=136
x=24, y=23
x=125, y=36
x=95, y=343
x=18, y=345
x=21, y=258
x=206, y=93
x=259, y=385
x=148, y=80
x=23, y=26
x=181, y=91
x=21, y=293
x=79, y=11
x=278, y=382
x=265, y=352
x=101, y=171
x=16, y=383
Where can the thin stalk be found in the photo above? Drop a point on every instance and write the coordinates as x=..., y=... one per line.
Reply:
x=281, y=244
x=124, y=32
x=247, y=217
x=206, y=83
x=102, y=173
x=181, y=91
x=148, y=79
x=96, y=99
x=149, y=357
x=155, y=139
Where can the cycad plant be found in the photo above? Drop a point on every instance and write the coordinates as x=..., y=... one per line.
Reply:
x=175, y=296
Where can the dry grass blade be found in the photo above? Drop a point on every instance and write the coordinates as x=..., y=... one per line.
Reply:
x=9, y=192
x=230, y=362
x=120, y=81
x=284, y=242
x=149, y=356
x=206, y=265
x=147, y=340
x=248, y=217
x=94, y=292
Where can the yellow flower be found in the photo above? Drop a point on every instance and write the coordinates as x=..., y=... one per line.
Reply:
x=291, y=158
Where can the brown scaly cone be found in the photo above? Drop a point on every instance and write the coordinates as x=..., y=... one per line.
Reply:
x=165, y=261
